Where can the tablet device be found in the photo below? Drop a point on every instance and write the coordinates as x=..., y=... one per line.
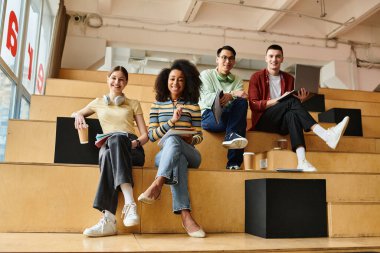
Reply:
x=216, y=108
x=289, y=170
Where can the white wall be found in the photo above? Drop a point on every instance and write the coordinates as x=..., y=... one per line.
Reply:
x=368, y=79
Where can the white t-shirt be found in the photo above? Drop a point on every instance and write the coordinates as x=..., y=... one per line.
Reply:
x=275, y=86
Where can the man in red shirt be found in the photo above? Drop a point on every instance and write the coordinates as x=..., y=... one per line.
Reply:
x=271, y=112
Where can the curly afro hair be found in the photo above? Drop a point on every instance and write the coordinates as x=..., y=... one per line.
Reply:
x=191, y=92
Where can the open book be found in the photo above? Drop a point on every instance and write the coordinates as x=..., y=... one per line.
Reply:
x=102, y=138
x=176, y=131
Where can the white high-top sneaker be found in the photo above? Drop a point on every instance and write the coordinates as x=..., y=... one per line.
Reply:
x=131, y=218
x=104, y=227
x=334, y=133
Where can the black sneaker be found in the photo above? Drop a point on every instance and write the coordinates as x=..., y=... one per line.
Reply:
x=233, y=167
x=234, y=141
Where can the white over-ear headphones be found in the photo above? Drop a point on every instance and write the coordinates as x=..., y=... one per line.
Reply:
x=119, y=100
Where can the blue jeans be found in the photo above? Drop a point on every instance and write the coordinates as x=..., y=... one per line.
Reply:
x=173, y=161
x=234, y=119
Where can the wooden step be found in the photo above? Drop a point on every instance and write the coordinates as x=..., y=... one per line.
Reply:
x=353, y=219
x=368, y=102
x=65, y=195
x=38, y=142
x=50, y=107
x=352, y=95
x=371, y=127
x=367, y=108
x=147, y=79
x=85, y=89
x=101, y=76
x=60, y=200
x=215, y=243
x=323, y=161
x=30, y=141
x=75, y=88
x=42, y=151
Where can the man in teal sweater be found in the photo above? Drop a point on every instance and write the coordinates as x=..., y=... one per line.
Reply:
x=234, y=105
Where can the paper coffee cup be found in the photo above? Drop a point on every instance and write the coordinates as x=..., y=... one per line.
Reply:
x=83, y=135
x=282, y=143
x=249, y=162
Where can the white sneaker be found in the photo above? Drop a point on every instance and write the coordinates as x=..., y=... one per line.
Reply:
x=334, y=133
x=131, y=218
x=234, y=141
x=105, y=227
x=306, y=166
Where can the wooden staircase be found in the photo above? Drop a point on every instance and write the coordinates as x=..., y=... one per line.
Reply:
x=40, y=196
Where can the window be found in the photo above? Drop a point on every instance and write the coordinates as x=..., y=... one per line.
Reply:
x=44, y=49
x=25, y=41
x=30, y=46
x=24, y=109
x=7, y=93
x=11, y=38
x=1, y=16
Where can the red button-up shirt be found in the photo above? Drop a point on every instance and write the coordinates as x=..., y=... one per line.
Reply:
x=259, y=92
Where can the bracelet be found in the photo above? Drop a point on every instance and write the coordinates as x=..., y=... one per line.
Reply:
x=171, y=122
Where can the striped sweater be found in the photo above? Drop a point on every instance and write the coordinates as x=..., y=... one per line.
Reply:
x=162, y=112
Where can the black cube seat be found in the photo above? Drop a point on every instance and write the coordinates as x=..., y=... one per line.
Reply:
x=316, y=103
x=286, y=208
x=67, y=146
x=335, y=115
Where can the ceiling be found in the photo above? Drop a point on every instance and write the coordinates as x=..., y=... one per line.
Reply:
x=311, y=30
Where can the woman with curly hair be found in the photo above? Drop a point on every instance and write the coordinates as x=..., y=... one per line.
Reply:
x=176, y=106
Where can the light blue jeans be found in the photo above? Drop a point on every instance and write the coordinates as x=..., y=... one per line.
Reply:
x=173, y=161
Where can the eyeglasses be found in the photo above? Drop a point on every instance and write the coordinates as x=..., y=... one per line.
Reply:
x=225, y=58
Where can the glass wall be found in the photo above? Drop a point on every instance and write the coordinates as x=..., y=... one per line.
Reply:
x=12, y=35
x=24, y=109
x=25, y=33
x=44, y=49
x=31, y=45
x=1, y=16
x=7, y=94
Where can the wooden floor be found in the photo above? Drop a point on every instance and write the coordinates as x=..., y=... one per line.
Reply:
x=232, y=242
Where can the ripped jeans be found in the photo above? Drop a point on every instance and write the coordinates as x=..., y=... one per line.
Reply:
x=173, y=161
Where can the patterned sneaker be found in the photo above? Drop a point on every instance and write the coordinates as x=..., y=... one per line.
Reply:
x=131, y=218
x=234, y=141
x=306, y=166
x=334, y=133
x=233, y=167
x=105, y=227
